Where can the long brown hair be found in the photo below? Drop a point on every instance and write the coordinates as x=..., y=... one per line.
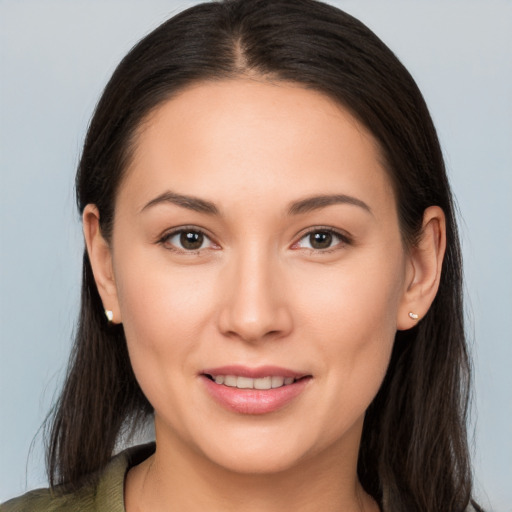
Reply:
x=414, y=453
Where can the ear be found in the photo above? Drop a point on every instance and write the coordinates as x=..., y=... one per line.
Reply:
x=100, y=256
x=423, y=273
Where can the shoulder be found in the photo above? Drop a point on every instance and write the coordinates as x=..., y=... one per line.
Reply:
x=44, y=500
x=104, y=492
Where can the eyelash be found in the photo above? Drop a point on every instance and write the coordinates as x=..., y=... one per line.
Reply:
x=164, y=240
x=342, y=237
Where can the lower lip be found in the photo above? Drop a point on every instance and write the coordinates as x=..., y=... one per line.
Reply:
x=254, y=401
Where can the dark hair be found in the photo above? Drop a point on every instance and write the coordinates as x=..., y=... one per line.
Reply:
x=414, y=453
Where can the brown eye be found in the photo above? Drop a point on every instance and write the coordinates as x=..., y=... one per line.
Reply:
x=320, y=239
x=187, y=240
x=191, y=240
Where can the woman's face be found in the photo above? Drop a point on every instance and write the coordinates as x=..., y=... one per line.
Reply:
x=256, y=244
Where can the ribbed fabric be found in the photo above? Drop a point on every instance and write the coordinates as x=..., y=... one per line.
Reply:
x=105, y=495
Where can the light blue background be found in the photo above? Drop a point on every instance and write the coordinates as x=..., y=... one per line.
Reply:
x=55, y=58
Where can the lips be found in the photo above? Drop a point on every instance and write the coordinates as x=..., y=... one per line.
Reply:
x=254, y=390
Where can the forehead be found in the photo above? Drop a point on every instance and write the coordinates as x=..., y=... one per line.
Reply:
x=253, y=136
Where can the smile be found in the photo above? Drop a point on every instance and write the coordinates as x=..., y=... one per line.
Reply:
x=261, y=390
x=240, y=382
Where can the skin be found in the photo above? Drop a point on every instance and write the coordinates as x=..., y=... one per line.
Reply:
x=257, y=293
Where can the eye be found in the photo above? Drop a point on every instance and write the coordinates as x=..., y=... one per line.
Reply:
x=321, y=240
x=187, y=240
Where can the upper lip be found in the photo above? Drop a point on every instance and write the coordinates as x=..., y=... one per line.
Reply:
x=254, y=373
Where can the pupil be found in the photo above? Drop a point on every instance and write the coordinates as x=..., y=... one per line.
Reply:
x=320, y=240
x=191, y=240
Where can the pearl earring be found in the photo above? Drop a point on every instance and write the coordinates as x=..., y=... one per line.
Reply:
x=414, y=316
x=109, y=314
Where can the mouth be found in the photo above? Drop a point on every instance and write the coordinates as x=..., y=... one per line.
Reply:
x=254, y=390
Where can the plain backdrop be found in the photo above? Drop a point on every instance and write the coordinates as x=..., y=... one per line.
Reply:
x=57, y=55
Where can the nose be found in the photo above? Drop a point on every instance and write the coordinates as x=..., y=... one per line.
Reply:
x=255, y=305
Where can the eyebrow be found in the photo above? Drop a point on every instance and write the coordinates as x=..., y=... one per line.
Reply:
x=296, y=208
x=316, y=202
x=189, y=202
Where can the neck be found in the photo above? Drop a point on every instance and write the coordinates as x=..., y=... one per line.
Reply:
x=178, y=478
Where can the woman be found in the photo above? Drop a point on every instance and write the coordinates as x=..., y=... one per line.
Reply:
x=272, y=269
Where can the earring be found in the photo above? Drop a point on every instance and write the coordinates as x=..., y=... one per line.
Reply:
x=414, y=316
x=110, y=315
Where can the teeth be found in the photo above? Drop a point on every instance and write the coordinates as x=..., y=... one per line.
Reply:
x=244, y=383
x=277, y=382
x=234, y=381
x=263, y=383
x=231, y=381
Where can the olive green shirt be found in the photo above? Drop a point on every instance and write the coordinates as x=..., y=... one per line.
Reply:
x=106, y=494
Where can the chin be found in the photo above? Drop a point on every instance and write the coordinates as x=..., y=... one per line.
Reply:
x=262, y=451
x=250, y=462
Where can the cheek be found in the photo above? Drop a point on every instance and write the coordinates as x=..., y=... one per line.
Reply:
x=352, y=314
x=163, y=310
x=158, y=298
x=357, y=298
